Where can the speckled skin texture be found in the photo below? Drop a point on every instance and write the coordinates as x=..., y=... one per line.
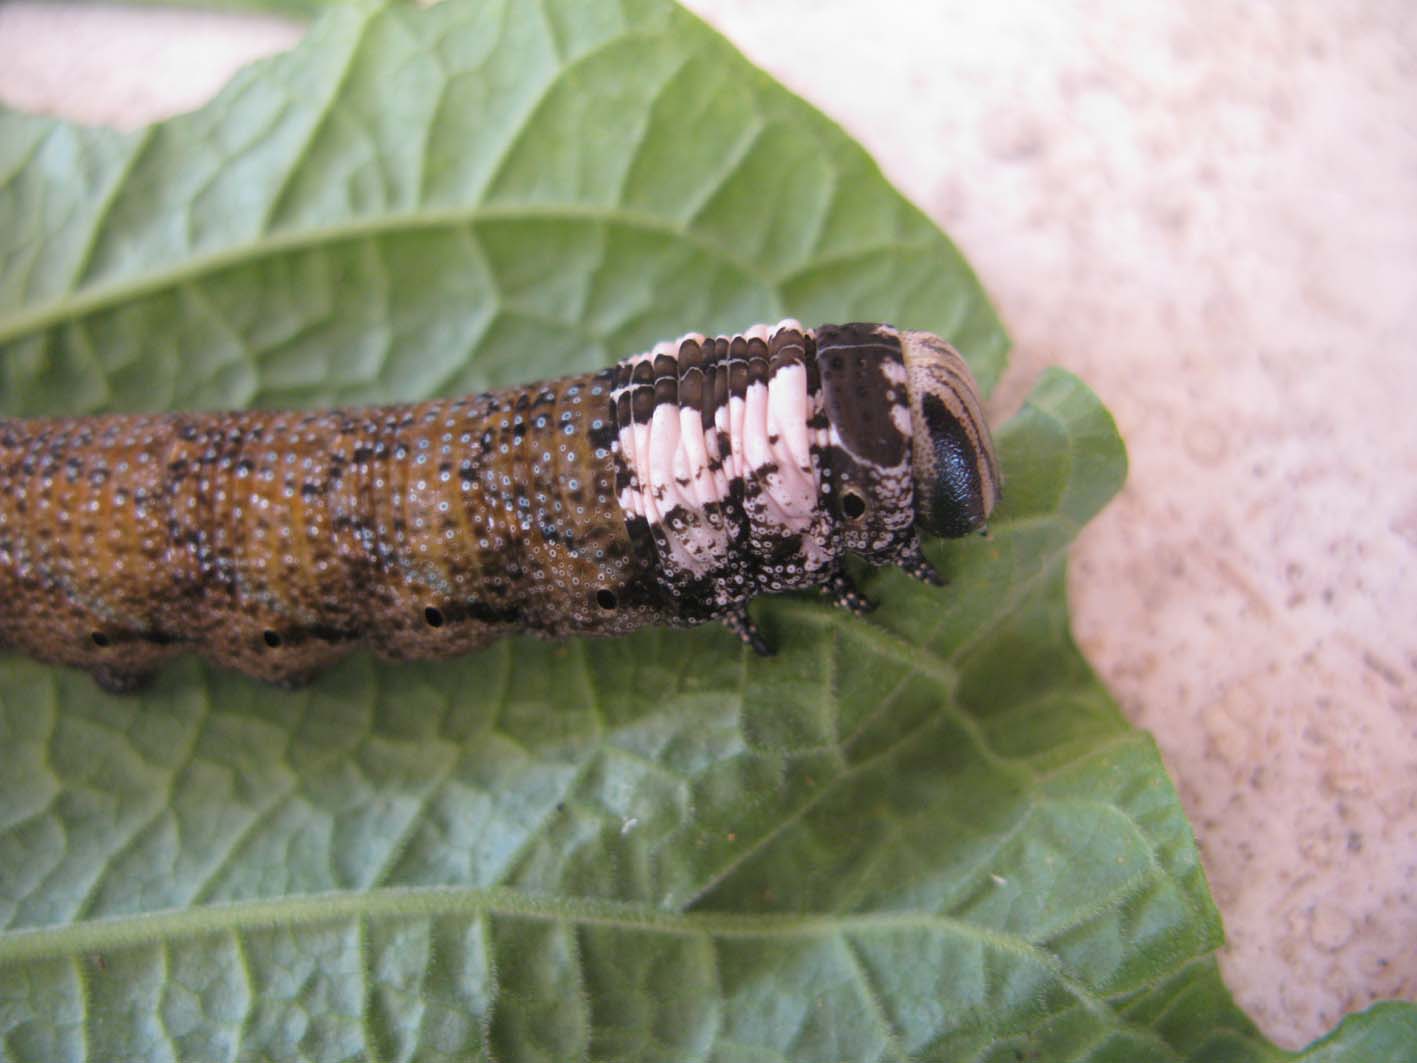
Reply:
x=274, y=541
x=670, y=488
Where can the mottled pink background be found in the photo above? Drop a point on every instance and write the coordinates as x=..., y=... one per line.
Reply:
x=1209, y=211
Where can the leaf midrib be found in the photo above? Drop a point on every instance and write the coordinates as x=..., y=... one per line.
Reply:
x=426, y=902
x=102, y=297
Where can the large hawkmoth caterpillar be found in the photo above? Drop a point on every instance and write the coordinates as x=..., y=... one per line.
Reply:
x=667, y=489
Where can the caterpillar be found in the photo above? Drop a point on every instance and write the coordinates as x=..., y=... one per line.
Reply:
x=670, y=488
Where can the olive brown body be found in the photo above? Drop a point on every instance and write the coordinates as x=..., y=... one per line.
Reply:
x=668, y=489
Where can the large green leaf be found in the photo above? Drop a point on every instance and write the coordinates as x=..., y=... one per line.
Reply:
x=928, y=835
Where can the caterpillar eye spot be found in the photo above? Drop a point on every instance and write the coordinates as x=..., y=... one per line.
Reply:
x=433, y=617
x=606, y=599
x=100, y=639
x=853, y=505
x=272, y=639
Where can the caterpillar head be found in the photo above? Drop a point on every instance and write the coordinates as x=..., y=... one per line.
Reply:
x=956, y=471
x=910, y=448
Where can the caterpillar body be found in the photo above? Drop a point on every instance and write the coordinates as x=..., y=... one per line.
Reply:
x=670, y=488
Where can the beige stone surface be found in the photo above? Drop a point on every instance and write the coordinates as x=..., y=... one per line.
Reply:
x=1210, y=212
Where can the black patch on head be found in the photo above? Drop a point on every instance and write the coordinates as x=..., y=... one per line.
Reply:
x=856, y=396
x=957, y=496
x=852, y=334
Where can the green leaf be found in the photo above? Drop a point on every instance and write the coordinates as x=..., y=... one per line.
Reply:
x=927, y=835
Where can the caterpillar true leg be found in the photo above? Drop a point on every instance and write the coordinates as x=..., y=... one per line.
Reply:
x=843, y=593
x=741, y=624
x=917, y=565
